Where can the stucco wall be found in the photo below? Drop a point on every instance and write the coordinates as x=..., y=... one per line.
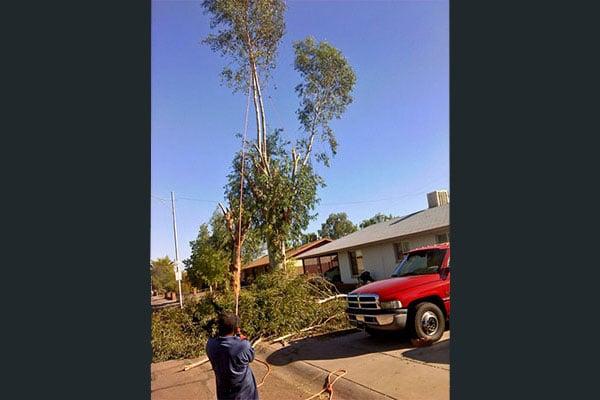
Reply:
x=380, y=259
x=345, y=271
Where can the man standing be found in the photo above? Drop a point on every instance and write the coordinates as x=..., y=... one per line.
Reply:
x=230, y=356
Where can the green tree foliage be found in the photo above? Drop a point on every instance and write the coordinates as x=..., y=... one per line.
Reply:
x=249, y=34
x=336, y=226
x=208, y=264
x=212, y=252
x=377, y=218
x=285, y=199
x=282, y=180
x=221, y=238
x=290, y=185
x=278, y=303
x=163, y=274
x=325, y=92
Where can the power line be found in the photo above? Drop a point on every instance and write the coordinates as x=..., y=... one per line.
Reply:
x=325, y=204
x=201, y=200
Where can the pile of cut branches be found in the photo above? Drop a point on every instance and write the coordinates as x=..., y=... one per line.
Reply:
x=278, y=306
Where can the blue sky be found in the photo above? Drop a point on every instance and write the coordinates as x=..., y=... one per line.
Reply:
x=393, y=139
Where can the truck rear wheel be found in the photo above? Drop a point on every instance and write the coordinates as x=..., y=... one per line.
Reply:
x=428, y=322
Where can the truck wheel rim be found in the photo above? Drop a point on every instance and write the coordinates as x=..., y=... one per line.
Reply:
x=429, y=323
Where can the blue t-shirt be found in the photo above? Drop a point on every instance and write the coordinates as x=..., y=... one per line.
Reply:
x=229, y=357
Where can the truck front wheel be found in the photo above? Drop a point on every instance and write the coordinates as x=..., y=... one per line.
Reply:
x=428, y=322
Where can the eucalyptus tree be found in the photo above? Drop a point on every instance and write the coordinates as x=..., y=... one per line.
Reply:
x=281, y=180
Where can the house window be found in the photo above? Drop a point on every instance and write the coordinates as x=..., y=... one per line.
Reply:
x=443, y=238
x=401, y=249
x=356, y=262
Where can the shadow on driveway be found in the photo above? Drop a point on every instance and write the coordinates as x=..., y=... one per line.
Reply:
x=438, y=353
x=352, y=343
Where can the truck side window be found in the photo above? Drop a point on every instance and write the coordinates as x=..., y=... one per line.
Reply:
x=420, y=263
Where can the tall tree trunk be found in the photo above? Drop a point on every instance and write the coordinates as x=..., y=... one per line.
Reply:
x=276, y=249
x=236, y=269
x=262, y=118
x=257, y=113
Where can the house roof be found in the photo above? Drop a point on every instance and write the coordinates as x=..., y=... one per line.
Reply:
x=420, y=221
x=296, y=251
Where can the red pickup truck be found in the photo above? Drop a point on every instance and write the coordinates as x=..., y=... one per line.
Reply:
x=416, y=297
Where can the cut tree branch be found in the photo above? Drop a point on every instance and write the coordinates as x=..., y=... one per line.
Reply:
x=337, y=296
x=303, y=330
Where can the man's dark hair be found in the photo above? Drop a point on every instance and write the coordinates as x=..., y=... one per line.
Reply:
x=227, y=323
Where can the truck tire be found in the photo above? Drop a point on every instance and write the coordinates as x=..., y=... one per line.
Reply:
x=428, y=322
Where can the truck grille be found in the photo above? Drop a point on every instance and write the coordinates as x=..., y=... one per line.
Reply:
x=363, y=301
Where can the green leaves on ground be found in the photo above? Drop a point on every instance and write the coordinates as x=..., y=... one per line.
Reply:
x=277, y=304
x=175, y=334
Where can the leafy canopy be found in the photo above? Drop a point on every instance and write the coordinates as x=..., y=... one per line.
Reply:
x=248, y=32
x=212, y=253
x=336, y=226
x=377, y=218
x=325, y=91
x=163, y=274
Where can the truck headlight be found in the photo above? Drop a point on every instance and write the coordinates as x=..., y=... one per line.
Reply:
x=390, y=304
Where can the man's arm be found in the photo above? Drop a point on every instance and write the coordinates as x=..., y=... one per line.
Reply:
x=247, y=353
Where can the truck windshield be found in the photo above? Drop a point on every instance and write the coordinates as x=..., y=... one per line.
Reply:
x=420, y=263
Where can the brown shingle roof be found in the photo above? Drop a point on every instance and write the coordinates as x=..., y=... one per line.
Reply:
x=264, y=261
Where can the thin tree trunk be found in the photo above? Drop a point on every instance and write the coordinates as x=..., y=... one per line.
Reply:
x=263, y=118
x=236, y=268
x=259, y=132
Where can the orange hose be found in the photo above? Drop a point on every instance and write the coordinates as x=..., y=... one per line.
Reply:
x=329, y=387
x=267, y=374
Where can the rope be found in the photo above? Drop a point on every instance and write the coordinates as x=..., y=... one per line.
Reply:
x=239, y=230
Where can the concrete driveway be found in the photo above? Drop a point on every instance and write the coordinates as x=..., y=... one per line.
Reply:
x=389, y=366
x=377, y=369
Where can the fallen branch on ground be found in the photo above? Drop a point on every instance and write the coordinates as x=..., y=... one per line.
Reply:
x=303, y=330
x=195, y=364
x=337, y=296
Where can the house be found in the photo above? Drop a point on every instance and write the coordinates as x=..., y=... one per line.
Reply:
x=252, y=270
x=380, y=247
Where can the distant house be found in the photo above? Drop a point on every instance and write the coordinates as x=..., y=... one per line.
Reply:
x=252, y=270
x=380, y=247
